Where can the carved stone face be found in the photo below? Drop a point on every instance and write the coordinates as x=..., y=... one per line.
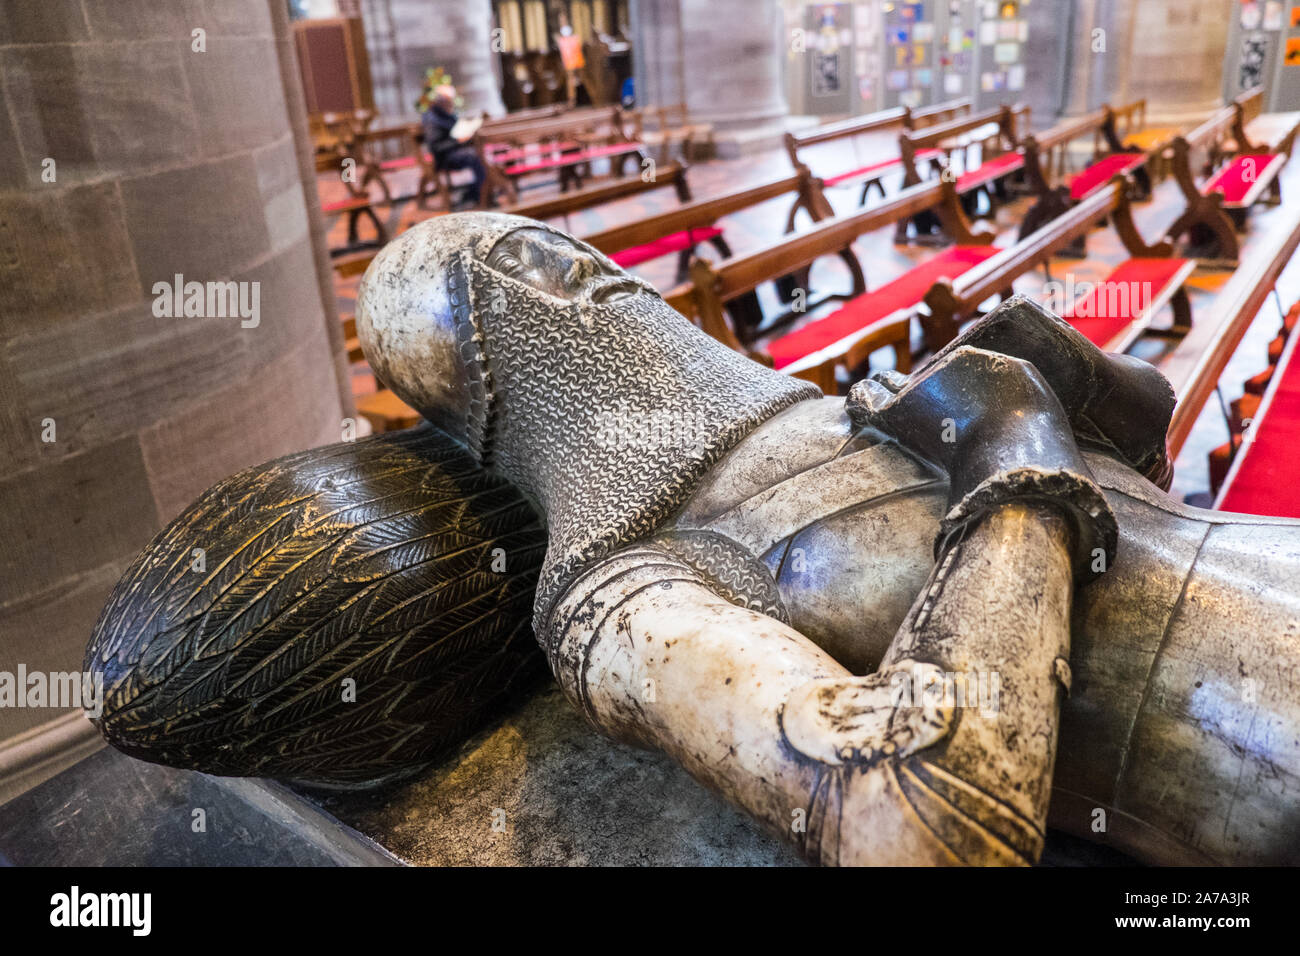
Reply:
x=560, y=267
x=414, y=329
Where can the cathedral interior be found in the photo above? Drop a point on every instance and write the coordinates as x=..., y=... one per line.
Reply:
x=609, y=432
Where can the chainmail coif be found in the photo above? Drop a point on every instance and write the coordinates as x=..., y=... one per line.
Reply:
x=606, y=415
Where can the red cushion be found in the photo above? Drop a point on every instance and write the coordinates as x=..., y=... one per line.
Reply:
x=572, y=159
x=1264, y=483
x=905, y=292
x=341, y=205
x=1099, y=173
x=1121, y=298
x=677, y=242
x=865, y=171
x=613, y=149
x=993, y=169
x=400, y=163
x=860, y=173
x=508, y=155
x=1239, y=177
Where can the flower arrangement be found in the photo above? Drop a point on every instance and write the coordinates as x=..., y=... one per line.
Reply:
x=434, y=77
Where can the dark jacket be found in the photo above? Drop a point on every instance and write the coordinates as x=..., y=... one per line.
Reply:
x=437, y=133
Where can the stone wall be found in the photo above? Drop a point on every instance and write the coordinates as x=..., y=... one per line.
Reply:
x=128, y=156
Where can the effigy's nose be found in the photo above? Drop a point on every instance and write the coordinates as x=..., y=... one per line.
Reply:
x=582, y=267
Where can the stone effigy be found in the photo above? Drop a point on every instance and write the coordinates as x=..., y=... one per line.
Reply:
x=897, y=628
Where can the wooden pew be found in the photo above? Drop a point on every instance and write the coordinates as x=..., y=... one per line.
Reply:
x=868, y=320
x=380, y=151
x=519, y=117
x=383, y=150
x=995, y=131
x=944, y=112
x=1196, y=365
x=333, y=134
x=564, y=145
x=1211, y=233
x=682, y=229
x=382, y=408
x=355, y=206
x=693, y=140
x=562, y=205
x=1129, y=123
x=1237, y=174
x=1254, y=131
x=1046, y=166
x=1123, y=125
x=515, y=128
x=671, y=176
x=1244, y=411
x=999, y=124
x=873, y=173
x=349, y=138
x=1259, y=491
x=1112, y=315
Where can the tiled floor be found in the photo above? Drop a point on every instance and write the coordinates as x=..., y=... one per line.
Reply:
x=883, y=260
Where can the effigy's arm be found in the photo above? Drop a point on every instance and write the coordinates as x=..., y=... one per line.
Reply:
x=882, y=769
x=945, y=754
x=980, y=664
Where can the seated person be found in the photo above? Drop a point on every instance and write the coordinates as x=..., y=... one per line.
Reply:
x=450, y=153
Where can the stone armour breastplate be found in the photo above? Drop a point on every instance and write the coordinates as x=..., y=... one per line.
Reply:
x=606, y=416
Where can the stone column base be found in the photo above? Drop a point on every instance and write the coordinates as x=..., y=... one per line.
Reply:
x=734, y=141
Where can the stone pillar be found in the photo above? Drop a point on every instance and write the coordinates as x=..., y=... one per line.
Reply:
x=132, y=152
x=1047, y=58
x=1168, y=52
x=657, y=52
x=406, y=37
x=733, y=53
x=724, y=58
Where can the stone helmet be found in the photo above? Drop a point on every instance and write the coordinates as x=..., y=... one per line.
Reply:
x=416, y=321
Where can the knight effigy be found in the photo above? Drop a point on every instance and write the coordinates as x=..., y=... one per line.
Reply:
x=928, y=618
